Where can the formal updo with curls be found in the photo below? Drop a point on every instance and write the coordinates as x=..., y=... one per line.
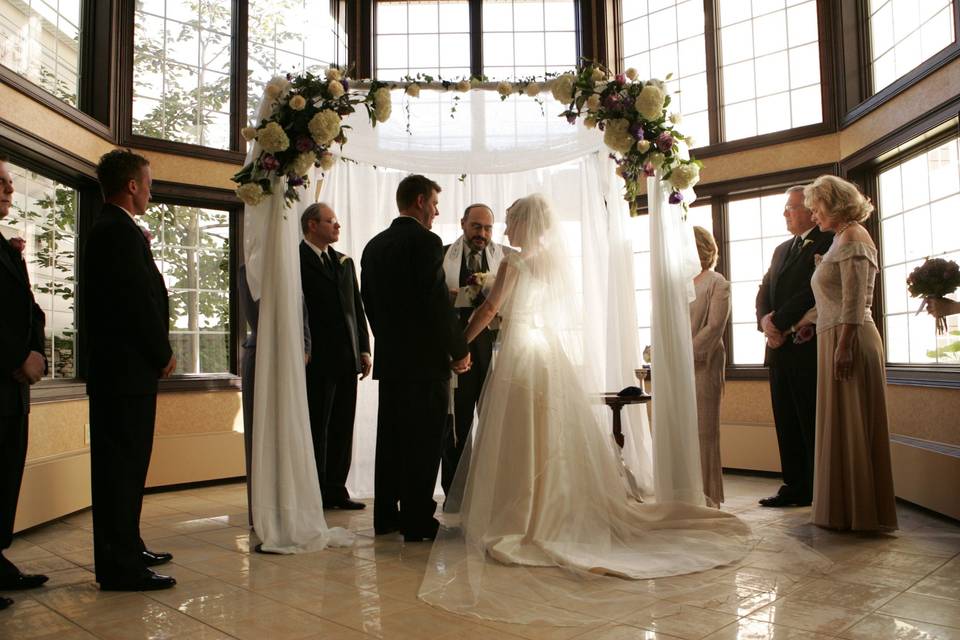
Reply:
x=838, y=199
x=706, y=248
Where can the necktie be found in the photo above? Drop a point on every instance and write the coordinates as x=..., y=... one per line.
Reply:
x=473, y=262
x=795, y=248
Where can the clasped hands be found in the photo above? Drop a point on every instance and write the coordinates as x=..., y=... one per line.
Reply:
x=775, y=337
x=32, y=369
x=462, y=365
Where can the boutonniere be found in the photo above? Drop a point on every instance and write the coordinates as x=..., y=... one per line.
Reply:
x=805, y=243
x=19, y=244
x=343, y=259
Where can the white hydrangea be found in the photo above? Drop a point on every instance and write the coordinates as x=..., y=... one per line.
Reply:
x=593, y=102
x=685, y=176
x=251, y=193
x=382, y=105
x=650, y=102
x=562, y=88
x=617, y=136
x=273, y=138
x=324, y=126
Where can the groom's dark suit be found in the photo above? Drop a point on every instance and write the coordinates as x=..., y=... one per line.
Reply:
x=127, y=323
x=417, y=333
x=21, y=331
x=339, y=331
x=785, y=290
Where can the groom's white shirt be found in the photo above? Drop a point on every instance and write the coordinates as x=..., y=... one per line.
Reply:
x=454, y=256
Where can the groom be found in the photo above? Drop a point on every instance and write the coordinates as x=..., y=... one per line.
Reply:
x=418, y=340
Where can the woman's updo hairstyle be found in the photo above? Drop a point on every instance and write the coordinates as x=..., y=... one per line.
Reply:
x=838, y=199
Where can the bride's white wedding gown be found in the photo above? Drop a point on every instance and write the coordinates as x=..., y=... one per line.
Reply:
x=542, y=485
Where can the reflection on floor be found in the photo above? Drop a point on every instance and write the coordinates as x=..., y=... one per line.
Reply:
x=901, y=586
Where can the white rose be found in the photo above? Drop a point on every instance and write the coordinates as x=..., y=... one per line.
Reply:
x=631, y=73
x=302, y=163
x=643, y=146
x=676, y=118
x=273, y=138
x=332, y=73
x=504, y=89
x=277, y=86
x=650, y=102
x=324, y=126
x=691, y=142
x=562, y=88
x=593, y=102
x=326, y=161
x=335, y=89
x=272, y=91
x=251, y=193
x=249, y=133
x=685, y=176
x=298, y=102
x=656, y=159
x=600, y=86
x=382, y=105
x=413, y=90
x=533, y=89
x=617, y=136
x=597, y=74
x=463, y=86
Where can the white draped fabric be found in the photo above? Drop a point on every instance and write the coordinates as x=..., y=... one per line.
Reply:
x=285, y=492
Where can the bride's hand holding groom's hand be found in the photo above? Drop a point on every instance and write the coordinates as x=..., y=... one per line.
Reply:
x=462, y=365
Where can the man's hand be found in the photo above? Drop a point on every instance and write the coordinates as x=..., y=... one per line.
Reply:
x=366, y=364
x=769, y=329
x=32, y=368
x=169, y=369
x=462, y=365
x=306, y=359
x=777, y=342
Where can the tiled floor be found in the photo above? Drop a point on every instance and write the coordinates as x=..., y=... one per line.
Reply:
x=900, y=586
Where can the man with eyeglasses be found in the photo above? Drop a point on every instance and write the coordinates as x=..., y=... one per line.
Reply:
x=784, y=297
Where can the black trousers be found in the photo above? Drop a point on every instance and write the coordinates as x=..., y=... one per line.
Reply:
x=13, y=456
x=793, y=392
x=466, y=399
x=332, y=401
x=410, y=422
x=248, y=369
x=121, y=441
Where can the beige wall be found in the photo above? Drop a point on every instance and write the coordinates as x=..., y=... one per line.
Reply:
x=198, y=433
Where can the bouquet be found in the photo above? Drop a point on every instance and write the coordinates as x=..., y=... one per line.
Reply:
x=935, y=278
x=470, y=293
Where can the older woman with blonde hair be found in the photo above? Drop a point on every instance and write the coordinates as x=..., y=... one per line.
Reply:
x=709, y=313
x=853, y=481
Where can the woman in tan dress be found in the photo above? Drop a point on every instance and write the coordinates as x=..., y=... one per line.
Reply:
x=709, y=313
x=853, y=481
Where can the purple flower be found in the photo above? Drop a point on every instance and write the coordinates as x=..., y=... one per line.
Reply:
x=636, y=129
x=304, y=144
x=289, y=77
x=665, y=141
x=613, y=102
x=294, y=181
x=648, y=170
x=346, y=85
x=675, y=198
x=621, y=79
x=601, y=125
x=572, y=118
x=269, y=162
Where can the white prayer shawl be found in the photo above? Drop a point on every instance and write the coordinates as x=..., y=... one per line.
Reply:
x=453, y=259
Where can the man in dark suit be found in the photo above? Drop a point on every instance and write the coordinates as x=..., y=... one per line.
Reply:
x=127, y=325
x=473, y=252
x=784, y=297
x=340, y=350
x=23, y=363
x=417, y=336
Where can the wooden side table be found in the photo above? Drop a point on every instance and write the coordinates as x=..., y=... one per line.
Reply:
x=616, y=404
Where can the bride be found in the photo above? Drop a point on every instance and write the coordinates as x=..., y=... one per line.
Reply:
x=538, y=504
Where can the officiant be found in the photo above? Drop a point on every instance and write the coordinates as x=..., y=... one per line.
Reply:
x=469, y=264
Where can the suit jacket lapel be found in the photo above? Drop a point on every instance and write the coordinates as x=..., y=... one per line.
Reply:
x=8, y=260
x=314, y=259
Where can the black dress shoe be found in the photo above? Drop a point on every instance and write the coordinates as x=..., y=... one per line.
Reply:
x=781, y=500
x=22, y=581
x=347, y=504
x=154, y=558
x=151, y=582
x=421, y=535
x=4, y=603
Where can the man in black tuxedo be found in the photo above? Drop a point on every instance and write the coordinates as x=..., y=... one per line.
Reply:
x=473, y=252
x=340, y=350
x=127, y=325
x=23, y=363
x=418, y=341
x=784, y=297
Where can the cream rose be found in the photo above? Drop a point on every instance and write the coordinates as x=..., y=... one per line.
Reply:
x=332, y=73
x=272, y=91
x=656, y=159
x=562, y=88
x=685, y=176
x=463, y=86
x=617, y=136
x=382, y=105
x=273, y=138
x=650, y=102
x=324, y=126
x=335, y=89
x=298, y=102
x=643, y=146
x=249, y=133
x=676, y=118
x=251, y=193
x=631, y=73
x=504, y=89
x=326, y=161
x=597, y=74
x=533, y=89
x=413, y=90
x=593, y=102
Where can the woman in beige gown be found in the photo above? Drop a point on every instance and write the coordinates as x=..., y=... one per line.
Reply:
x=709, y=313
x=853, y=480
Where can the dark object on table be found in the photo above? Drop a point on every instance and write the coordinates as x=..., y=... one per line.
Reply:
x=631, y=392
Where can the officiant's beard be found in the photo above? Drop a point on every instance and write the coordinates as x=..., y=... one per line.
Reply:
x=478, y=242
